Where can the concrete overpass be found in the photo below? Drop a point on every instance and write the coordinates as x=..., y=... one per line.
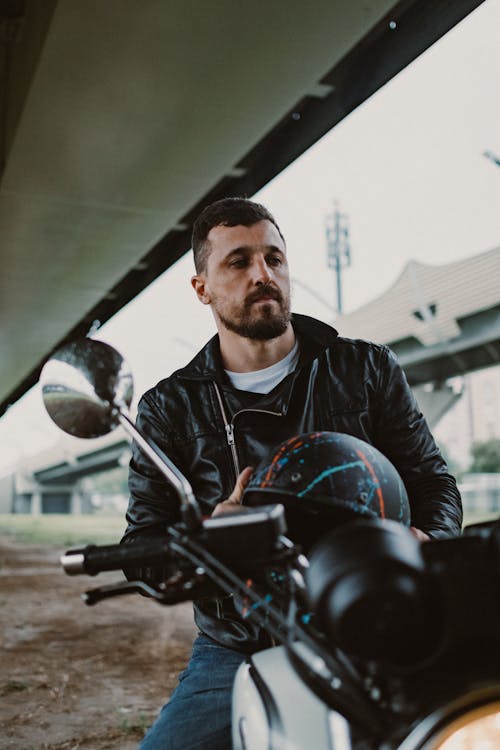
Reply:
x=121, y=119
x=52, y=481
x=441, y=321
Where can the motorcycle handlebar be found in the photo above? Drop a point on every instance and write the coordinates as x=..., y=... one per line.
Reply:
x=96, y=559
x=240, y=540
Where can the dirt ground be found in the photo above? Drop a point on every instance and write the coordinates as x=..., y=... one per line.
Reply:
x=73, y=676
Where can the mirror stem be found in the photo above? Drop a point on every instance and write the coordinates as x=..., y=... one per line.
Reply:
x=190, y=510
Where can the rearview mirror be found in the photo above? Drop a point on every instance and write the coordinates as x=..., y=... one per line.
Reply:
x=87, y=390
x=84, y=386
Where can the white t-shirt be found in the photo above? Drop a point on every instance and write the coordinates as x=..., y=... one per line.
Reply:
x=263, y=381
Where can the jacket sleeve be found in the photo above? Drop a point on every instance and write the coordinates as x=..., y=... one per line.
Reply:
x=153, y=503
x=404, y=437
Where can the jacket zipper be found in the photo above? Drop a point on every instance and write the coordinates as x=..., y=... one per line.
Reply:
x=229, y=426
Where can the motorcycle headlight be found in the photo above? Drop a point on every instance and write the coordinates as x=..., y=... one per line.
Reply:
x=368, y=585
x=478, y=729
x=472, y=727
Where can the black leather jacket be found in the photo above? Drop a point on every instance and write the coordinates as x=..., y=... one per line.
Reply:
x=211, y=430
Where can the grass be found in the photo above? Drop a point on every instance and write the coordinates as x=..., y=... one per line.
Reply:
x=12, y=686
x=135, y=725
x=97, y=528
x=62, y=529
x=471, y=517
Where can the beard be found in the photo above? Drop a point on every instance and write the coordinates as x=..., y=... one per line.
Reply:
x=267, y=323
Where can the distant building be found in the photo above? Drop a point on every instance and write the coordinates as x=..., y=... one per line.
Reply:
x=473, y=418
x=481, y=493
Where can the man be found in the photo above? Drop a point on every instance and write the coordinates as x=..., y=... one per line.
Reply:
x=265, y=377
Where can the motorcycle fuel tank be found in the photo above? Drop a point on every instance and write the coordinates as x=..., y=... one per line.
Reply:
x=274, y=710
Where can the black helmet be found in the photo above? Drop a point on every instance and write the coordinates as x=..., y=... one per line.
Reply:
x=327, y=478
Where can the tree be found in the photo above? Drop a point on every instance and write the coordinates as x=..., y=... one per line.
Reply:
x=486, y=456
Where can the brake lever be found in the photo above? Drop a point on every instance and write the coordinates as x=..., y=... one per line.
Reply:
x=173, y=591
x=120, y=589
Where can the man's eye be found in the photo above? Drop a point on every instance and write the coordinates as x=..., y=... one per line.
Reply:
x=274, y=260
x=238, y=263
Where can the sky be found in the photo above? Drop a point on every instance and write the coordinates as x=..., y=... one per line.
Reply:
x=408, y=169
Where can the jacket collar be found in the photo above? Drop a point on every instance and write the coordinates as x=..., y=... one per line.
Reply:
x=314, y=337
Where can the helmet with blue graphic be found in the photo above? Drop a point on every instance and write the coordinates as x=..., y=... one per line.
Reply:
x=327, y=478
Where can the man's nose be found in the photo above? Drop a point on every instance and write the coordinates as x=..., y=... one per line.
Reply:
x=261, y=271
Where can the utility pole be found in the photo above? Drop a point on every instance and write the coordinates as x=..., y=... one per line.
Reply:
x=338, y=247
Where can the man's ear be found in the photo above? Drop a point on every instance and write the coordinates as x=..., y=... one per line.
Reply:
x=199, y=286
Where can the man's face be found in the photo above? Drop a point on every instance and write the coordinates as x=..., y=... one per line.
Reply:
x=246, y=280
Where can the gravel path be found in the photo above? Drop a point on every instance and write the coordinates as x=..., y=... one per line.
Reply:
x=73, y=676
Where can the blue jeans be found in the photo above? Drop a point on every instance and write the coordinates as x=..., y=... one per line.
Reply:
x=198, y=715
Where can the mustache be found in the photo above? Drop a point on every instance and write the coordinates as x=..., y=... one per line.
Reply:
x=266, y=290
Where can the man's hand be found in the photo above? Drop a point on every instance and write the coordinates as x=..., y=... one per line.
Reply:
x=233, y=503
x=421, y=535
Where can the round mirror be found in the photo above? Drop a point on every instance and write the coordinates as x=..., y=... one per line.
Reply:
x=85, y=384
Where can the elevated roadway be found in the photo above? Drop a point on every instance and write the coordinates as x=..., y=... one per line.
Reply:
x=121, y=119
x=441, y=321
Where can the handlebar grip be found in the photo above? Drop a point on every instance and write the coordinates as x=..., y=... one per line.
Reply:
x=95, y=559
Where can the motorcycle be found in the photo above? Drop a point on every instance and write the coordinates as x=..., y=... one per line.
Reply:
x=381, y=641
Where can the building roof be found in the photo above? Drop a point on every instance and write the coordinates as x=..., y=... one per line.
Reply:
x=445, y=317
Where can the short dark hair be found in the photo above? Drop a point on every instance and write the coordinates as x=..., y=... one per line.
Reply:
x=228, y=212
